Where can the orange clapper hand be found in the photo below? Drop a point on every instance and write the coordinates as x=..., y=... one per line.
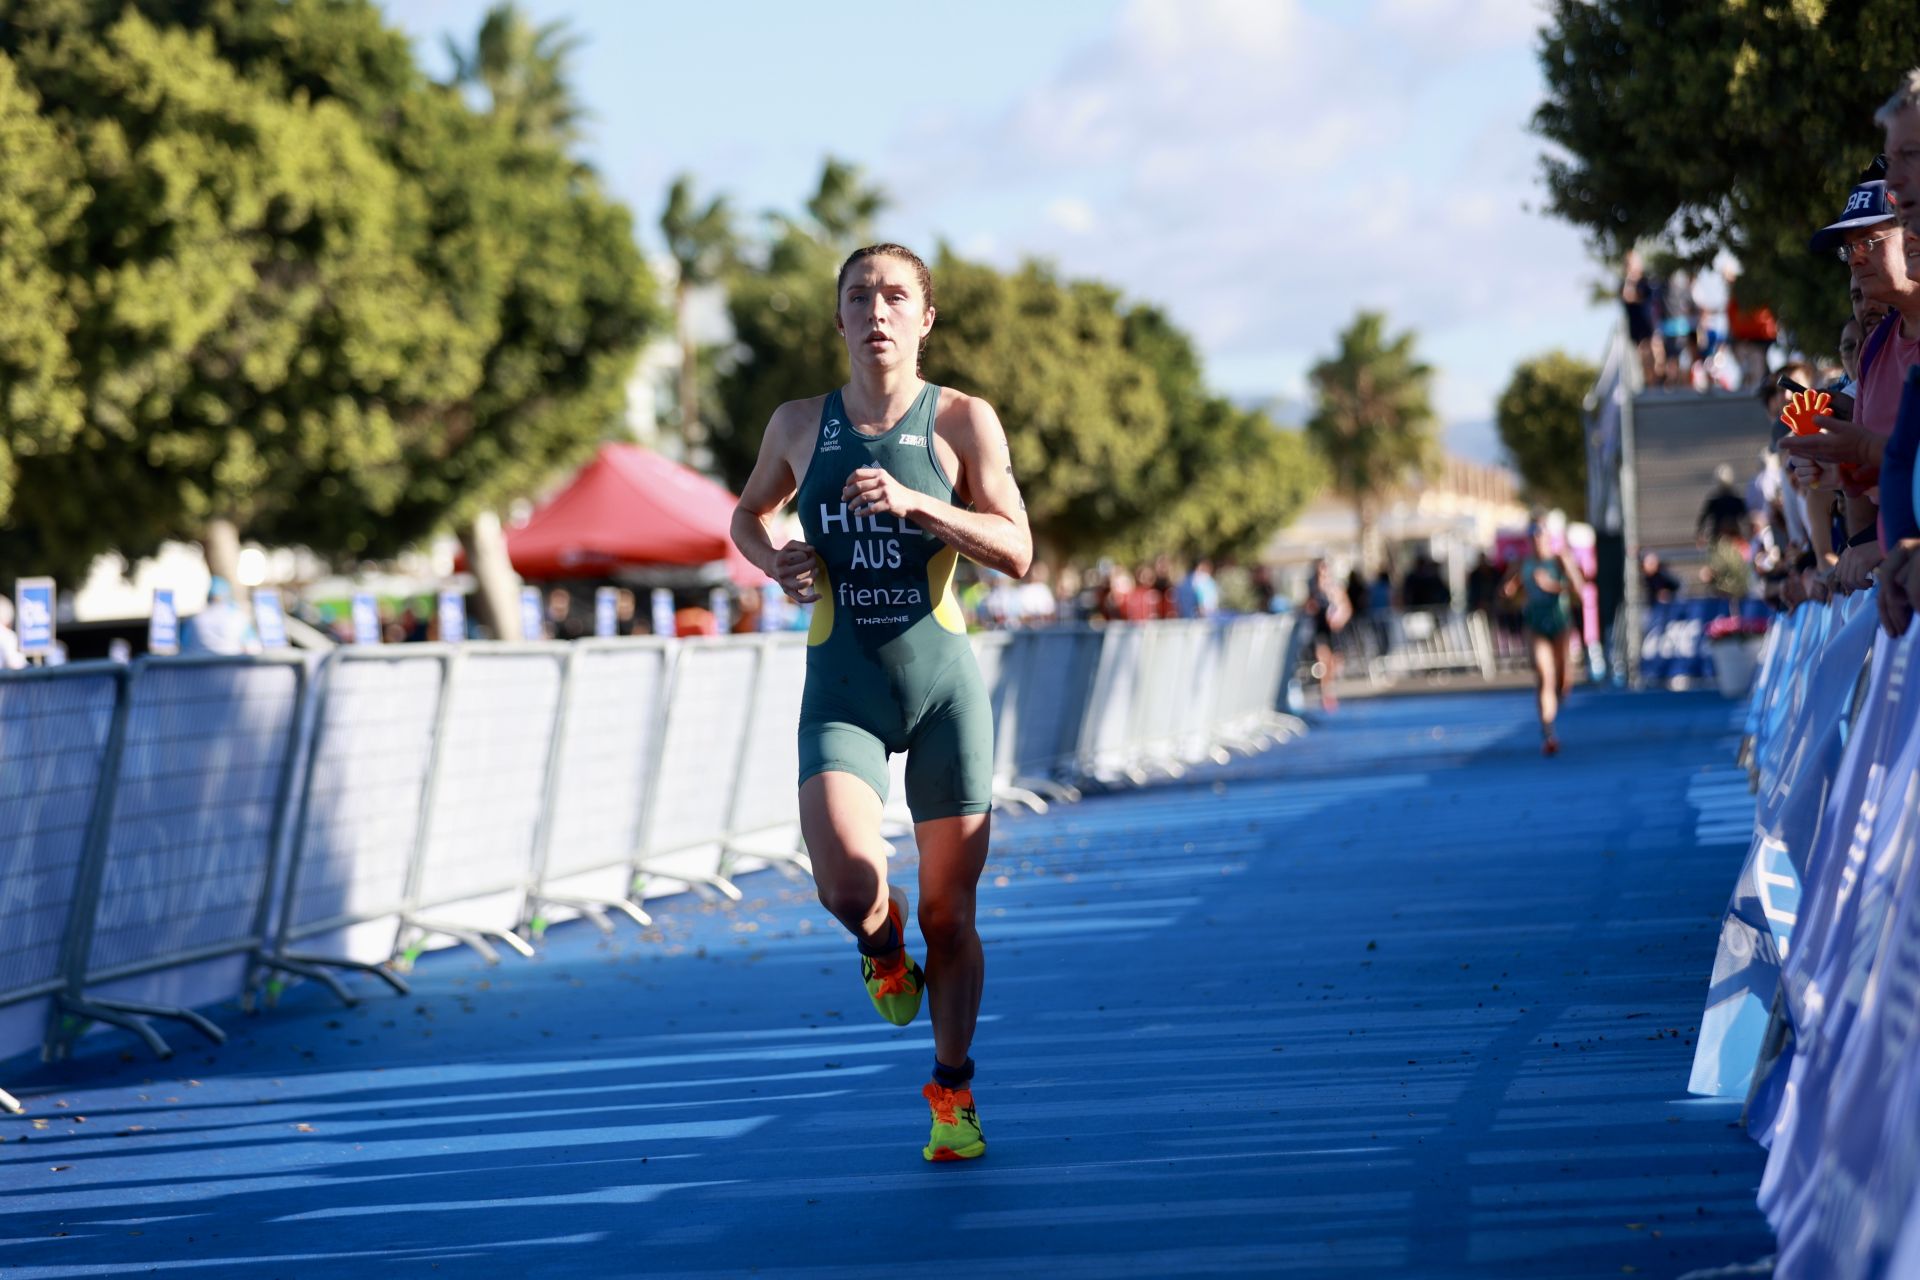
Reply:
x=1802, y=408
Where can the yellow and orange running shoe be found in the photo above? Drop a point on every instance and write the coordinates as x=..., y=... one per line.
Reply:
x=956, y=1125
x=894, y=981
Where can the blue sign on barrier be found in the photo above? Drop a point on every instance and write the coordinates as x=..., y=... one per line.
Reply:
x=269, y=618
x=1674, y=645
x=663, y=612
x=720, y=601
x=33, y=615
x=366, y=619
x=163, y=625
x=530, y=619
x=453, y=617
x=605, y=618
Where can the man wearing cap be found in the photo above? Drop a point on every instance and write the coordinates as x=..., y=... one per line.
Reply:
x=1869, y=239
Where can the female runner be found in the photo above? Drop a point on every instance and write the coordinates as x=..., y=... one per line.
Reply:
x=894, y=479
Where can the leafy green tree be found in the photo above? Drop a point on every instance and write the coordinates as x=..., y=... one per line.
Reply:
x=319, y=297
x=249, y=313
x=1086, y=418
x=1722, y=124
x=41, y=199
x=1226, y=478
x=1373, y=420
x=1542, y=424
x=702, y=241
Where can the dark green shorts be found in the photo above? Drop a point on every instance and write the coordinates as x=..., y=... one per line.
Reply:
x=852, y=725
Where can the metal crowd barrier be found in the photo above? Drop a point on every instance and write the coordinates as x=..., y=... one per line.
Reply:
x=197, y=794
x=190, y=829
x=487, y=794
x=60, y=728
x=704, y=736
x=764, y=796
x=603, y=771
x=1814, y=1011
x=1423, y=642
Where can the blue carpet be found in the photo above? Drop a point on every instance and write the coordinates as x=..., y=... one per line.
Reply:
x=1400, y=999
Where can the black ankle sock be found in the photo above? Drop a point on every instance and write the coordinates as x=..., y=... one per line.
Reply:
x=877, y=949
x=952, y=1077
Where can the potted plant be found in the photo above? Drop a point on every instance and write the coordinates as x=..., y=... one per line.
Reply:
x=1736, y=644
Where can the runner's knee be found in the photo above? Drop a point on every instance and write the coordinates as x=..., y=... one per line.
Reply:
x=850, y=899
x=945, y=922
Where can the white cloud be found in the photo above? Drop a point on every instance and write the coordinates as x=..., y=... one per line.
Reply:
x=1071, y=215
x=1267, y=169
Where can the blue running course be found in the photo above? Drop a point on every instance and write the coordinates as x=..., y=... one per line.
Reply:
x=1401, y=998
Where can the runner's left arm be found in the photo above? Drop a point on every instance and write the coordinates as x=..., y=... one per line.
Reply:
x=994, y=532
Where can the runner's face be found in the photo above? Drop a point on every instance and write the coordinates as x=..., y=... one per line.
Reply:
x=882, y=316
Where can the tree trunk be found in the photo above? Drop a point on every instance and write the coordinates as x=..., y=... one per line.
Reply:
x=689, y=373
x=220, y=543
x=496, y=596
x=1363, y=535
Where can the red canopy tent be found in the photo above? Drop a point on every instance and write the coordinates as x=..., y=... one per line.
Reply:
x=629, y=507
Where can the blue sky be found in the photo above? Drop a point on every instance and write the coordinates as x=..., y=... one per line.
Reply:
x=1262, y=168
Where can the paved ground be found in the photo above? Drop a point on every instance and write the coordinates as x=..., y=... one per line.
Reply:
x=1400, y=999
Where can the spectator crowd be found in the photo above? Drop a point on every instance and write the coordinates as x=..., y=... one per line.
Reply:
x=1815, y=527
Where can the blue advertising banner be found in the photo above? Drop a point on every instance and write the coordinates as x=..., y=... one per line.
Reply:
x=163, y=624
x=605, y=620
x=1757, y=931
x=720, y=600
x=366, y=619
x=663, y=612
x=773, y=608
x=1674, y=644
x=33, y=615
x=269, y=618
x=453, y=617
x=530, y=619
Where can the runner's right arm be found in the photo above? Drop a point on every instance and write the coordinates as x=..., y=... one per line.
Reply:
x=768, y=489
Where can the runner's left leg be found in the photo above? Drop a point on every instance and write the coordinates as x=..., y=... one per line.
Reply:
x=1546, y=678
x=953, y=853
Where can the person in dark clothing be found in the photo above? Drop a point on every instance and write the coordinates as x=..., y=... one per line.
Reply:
x=1661, y=586
x=1357, y=595
x=1639, y=295
x=1483, y=585
x=1425, y=588
x=1724, y=514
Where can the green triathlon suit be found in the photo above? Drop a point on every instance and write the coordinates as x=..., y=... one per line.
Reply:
x=889, y=667
x=1545, y=612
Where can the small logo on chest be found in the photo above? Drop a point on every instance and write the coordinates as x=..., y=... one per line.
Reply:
x=913, y=440
x=830, y=436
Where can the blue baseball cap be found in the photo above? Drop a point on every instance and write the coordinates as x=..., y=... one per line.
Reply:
x=1867, y=204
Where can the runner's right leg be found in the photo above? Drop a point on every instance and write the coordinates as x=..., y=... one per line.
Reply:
x=1546, y=684
x=840, y=821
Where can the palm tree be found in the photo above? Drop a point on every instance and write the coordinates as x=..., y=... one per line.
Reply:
x=524, y=70
x=704, y=246
x=844, y=206
x=1372, y=420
